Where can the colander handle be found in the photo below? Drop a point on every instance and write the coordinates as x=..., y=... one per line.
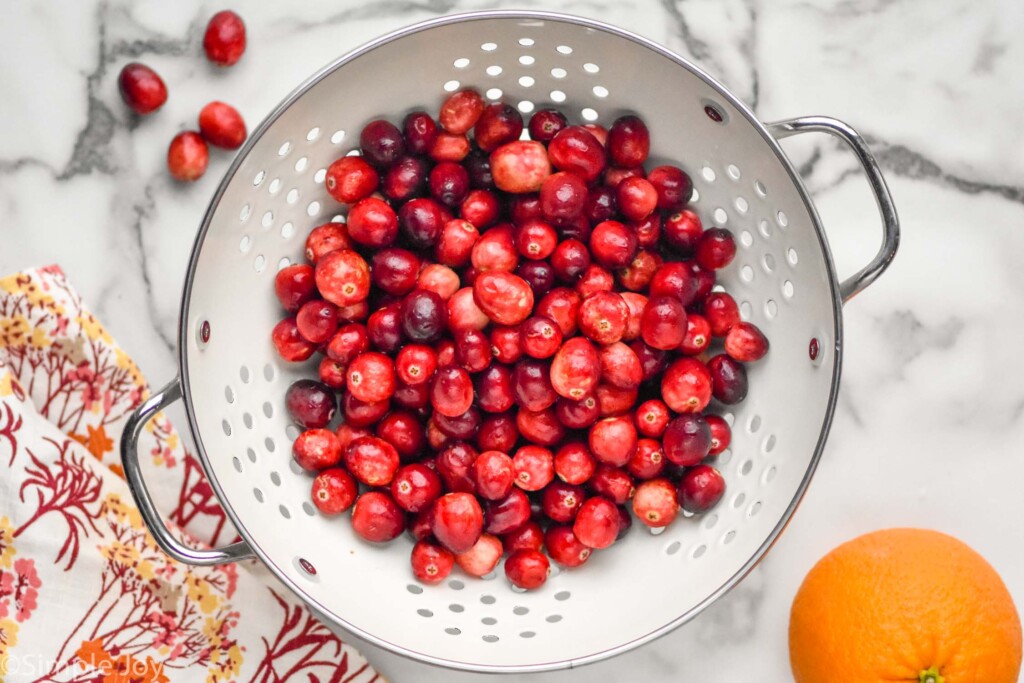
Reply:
x=132, y=472
x=890, y=221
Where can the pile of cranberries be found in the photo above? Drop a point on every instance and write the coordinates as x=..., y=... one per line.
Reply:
x=522, y=335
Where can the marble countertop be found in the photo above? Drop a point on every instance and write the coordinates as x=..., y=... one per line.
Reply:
x=929, y=426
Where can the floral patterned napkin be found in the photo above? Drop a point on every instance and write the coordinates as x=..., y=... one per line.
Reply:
x=85, y=593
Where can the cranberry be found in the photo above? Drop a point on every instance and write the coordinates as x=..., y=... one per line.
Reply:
x=531, y=384
x=419, y=526
x=575, y=369
x=575, y=149
x=323, y=239
x=431, y=564
x=509, y=513
x=563, y=196
x=603, y=317
x=384, y=328
x=638, y=274
x=612, y=244
x=686, y=386
x=705, y=280
x=533, y=467
x=451, y=391
x=371, y=377
x=187, y=156
x=317, y=449
x=577, y=414
x=403, y=430
x=546, y=123
x=649, y=461
x=715, y=249
x=458, y=521
x=224, y=40
x=722, y=313
x=652, y=360
x=460, y=111
x=564, y=548
x=294, y=286
x=343, y=277
x=363, y=413
x=612, y=401
x=728, y=379
x=222, y=125
x=538, y=274
x=636, y=198
x=439, y=279
x=520, y=166
x=493, y=473
x=449, y=183
x=419, y=132
x=480, y=207
x=421, y=221
x=449, y=147
x=454, y=464
x=412, y=396
x=683, y=230
x=310, y=403
x=574, y=464
x=675, y=280
x=625, y=522
x=655, y=503
x=700, y=488
x=498, y=433
x=372, y=461
x=527, y=569
x=540, y=337
x=524, y=207
x=334, y=491
x=648, y=231
x=455, y=245
x=673, y=185
x=529, y=536
x=406, y=179
x=482, y=558
x=535, y=239
x=346, y=434
x=141, y=88
x=506, y=298
x=462, y=427
x=496, y=250
x=600, y=205
x=381, y=142
x=424, y=316
x=636, y=303
x=472, y=350
x=377, y=518
x=317, y=321
x=721, y=433
x=597, y=523
x=613, y=483
x=540, y=427
x=394, y=270
x=570, y=260
x=616, y=174
x=745, y=342
x=415, y=487
x=652, y=418
x=594, y=279
x=494, y=393
x=499, y=123
x=463, y=312
x=687, y=440
x=620, y=367
x=373, y=223
x=356, y=312
x=698, y=335
x=613, y=440
x=663, y=325
x=628, y=141
x=331, y=373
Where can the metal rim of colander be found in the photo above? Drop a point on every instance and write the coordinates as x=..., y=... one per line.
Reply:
x=258, y=133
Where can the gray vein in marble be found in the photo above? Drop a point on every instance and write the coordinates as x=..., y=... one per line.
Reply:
x=372, y=11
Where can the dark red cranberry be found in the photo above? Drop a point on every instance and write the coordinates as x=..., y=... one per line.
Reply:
x=350, y=179
x=540, y=337
x=728, y=379
x=317, y=449
x=507, y=514
x=700, y=489
x=648, y=461
x=449, y=183
x=498, y=433
x=412, y=396
x=424, y=316
x=535, y=239
x=636, y=198
x=529, y=536
x=651, y=418
x=373, y=223
x=431, y=563
x=638, y=274
x=687, y=440
x=317, y=321
x=472, y=350
x=451, y=391
x=454, y=465
x=381, y=142
x=415, y=487
x=493, y=474
x=620, y=367
x=540, y=427
x=577, y=414
x=506, y=298
x=612, y=244
x=546, y=123
x=648, y=231
x=462, y=427
x=564, y=548
x=574, y=229
x=531, y=384
x=655, y=503
x=569, y=260
x=628, y=141
x=496, y=250
x=600, y=205
x=664, y=323
x=384, y=328
x=187, y=156
x=673, y=185
x=715, y=249
x=527, y=569
x=744, y=342
x=461, y=110
x=561, y=501
x=722, y=313
x=377, y=518
x=323, y=239
x=499, y=123
x=482, y=558
x=420, y=221
x=676, y=280
x=574, y=464
x=652, y=360
x=480, y=207
x=613, y=483
x=372, y=461
x=224, y=40
x=721, y=433
x=394, y=270
x=597, y=523
x=294, y=285
x=682, y=231
x=419, y=524
x=613, y=440
x=575, y=370
x=141, y=88
x=603, y=317
x=362, y=413
x=698, y=335
x=478, y=165
x=310, y=403
x=419, y=132
x=403, y=430
x=614, y=176
x=525, y=207
x=575, y=149
x=334, y=491
x=371, y=377
x=538, y=274
x=407, y=178
x=563, y=196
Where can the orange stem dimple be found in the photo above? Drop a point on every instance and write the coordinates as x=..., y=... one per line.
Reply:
x=931, y=675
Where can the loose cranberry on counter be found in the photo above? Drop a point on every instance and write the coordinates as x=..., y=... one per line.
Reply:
x=317, y=449
x=564, y=548
x=728, y=378
x=377, y=518
x=224, y=40
x=187, y=156
x=527, y=569
x=141, y=88
x=311, y=404
x=700, y=489
x=483, y=557
x=222, y=125
x=294, y=286
x=721, y=433
x=746, y=343
x=334, y=491
x=597, y=523
x=655, y=503
x=431, y=563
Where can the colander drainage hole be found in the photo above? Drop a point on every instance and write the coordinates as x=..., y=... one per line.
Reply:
x=226, y=427
x=337, y=137
x=738, y=500
x=769, y=443
x=488, y=621
x=746, y=239
x=258, y=495
x=746, y=467
x=456, y=607
x=588, y=114
x=275, y=478
x=461, y=63
x=490, y=639
x=721, y=217
x=238, y=464
x=563, y=595
x=452, y=631
x=424, y=613
x=456, y=585
x=782, y=219
x=771, y=309
x=268, y=372
x=488, y=599
x=787, y=289
x=284, y=263
x=559, y=72
x=268, y=219
x=711, y=521
x=243, y=374
x=672, y=548
x=733, y=171
x=268, y=409
x=708, y=173
x=451, y=86
x=745, y=310
x=414, y=589
x=284, y=512
x=699, y=551
x=313, y=134
x=557, y=96
x=269, y=443
x=284, y=149
x=527, y=634
x=247, y=420
x=755, y=424
x=769, y=474
x=759, y=188
x=520, y=610
x=553, y=618
x=229, y=395
x=251, y=454
x=727, y=538
x=754, y=509
x=308, y=508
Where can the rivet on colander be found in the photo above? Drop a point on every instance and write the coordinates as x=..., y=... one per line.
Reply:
x=307, y=566
x=813, y=349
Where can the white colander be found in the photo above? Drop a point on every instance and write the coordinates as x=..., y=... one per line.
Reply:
x=233, y=383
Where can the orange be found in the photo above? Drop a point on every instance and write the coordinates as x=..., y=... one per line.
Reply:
x=904, y=605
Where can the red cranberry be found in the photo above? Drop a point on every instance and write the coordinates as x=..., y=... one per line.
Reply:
x=472, y=350
x=531, y=384
x=394, y=270
x=600, y=205
x=222, y=125
x=535, y=239
x=431, y=564
x=563, y=196
x=187, y=156
x=561, y=305
x=715, y=249
x=498, y=433
x=649, y=461
x=458, y=521
x=686, y=386
x=323, y=239
x=372, y=461
x=744, y=342
x=625, y=522
x=616, y=174
x=595, y=279
x=527, y=569
x=648, y=231
x=496, y=250
x=597, y=523
x=575, y=369
x=317, y=449
x=569, y=260
x=451, y=391
x=509, y=513
x=722, y=313
x=464, y=314
x=575, y=149
x=331, y=373
x=613, y=483
x=628, y=141
x=407, y=178
x=636, y=198
x=577, y=414
x=460, y=111
x=419, y=525
x=482, y=558
x=317, y=321
x=403, y=430
x=574, y=464
x=334, y=491
x=687, y=440
x=613, y=245
x=700, y=488
x=294, y=286
x=540, y=337
x=373, y=223
x=346, y=434
x=675, y=280
x=533, y=467
x=506, y=298
x=449, y=147
x=141, y=88
x=561, y=501
x=652, y=418
x=524, y=208
x=377, y=518
x=494, y=393
x=384, y=328
x=652, y=360
x=673, y=185
x=440, y=280
x=538, y=274
x=728, y=379
x=636, y=303
x=455, y=245
x=721, y=433
x=412, y=396
x=419, y=131
x=664, y=323
x=655, y=503
x=454, y=464
x=574, y=229
x=612, y=401
x=480, y=207
x=462, y=427
x=564, y=548
x=449, y=183
x=415, y=487
x=529, y=536
x=224, y=40
x=683, y=230
x=603, y=317
x=499, y=123
x=371, y=377
x=343, y=277
x=520, y=166
x=493, y=473
x=546, y=123
x=362, y=413
x=638, y=274
x=698, y=335
x=311, y=404
x=620, y=367
x=613, y=440
x=356, y=312
x=381, y=143
x=424, y=316
x=421, y=221
x=540, y=427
